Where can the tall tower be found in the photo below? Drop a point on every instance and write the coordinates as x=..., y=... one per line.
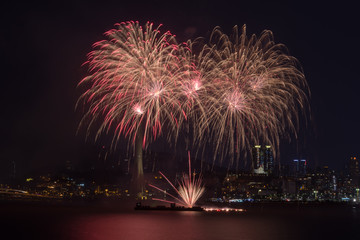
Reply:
x=302, y=167
x=354, y=171
x=295, y=167
x=263, y=160
x=258, y=160
x=269, y=159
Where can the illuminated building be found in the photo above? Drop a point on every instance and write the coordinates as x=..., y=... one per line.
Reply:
x=263, y=161
x=299, y=167
x=269, y=159
x=258, y=160
x=302, y=167
x=334, y=184
x=354, y=171
x=295, y=167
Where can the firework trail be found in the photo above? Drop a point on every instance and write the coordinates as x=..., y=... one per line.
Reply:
x=190, y=189
x=134, y=79
x=233, y=92
x=253, y=92
x=139, y=83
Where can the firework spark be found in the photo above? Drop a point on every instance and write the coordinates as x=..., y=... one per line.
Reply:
x=253, y=91
x=234, y=92
x=135, y=77
x=190, y=189
x=138, y=85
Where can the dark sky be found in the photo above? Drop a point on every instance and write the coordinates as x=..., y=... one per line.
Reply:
x=44, y=44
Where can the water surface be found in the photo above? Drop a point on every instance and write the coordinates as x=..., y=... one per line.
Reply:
x=92, y=222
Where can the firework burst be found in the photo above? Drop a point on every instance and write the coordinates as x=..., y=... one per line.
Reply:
x=134, y=83
x=190, y=189
x=253, y=92
x=233, y=93
x=139, y=83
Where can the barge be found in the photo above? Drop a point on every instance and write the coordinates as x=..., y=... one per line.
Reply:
x=172, y=207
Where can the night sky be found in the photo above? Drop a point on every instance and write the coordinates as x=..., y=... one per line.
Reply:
x=43, y=46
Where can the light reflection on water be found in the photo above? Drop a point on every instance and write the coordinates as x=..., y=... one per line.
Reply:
x=70, y=223
x=154, y=225
x=164, y=226
x=180, y=225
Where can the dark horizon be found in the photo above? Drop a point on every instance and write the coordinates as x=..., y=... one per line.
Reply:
x=44, y=45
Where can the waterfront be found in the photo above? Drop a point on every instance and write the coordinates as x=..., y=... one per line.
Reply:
x=109, y=221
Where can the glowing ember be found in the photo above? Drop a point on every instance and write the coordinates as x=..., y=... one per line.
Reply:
x=138, y=109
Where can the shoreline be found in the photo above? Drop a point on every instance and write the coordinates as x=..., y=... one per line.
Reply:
x=130, y=204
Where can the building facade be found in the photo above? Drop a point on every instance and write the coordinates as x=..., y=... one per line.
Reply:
x=262, y=159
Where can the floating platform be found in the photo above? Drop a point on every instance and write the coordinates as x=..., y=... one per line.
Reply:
x=171, y=208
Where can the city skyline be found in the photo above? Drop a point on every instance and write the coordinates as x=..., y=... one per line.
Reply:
x=45, y=45
x=293, y=182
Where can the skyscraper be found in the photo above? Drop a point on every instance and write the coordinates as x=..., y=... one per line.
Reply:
x=354, y=171
x=269, y=159
x=263, y=161
x=298, y=168
x=295, y=167
x=258, y=160
x=302, y=167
